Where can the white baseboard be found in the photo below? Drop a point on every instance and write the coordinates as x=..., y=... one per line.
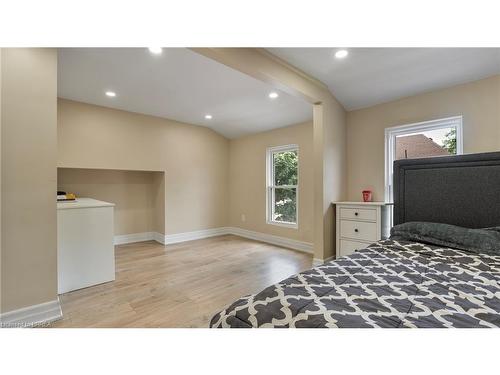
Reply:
x=195, y=235
x=30, y=316
x=134, y=237
x=207, y=233
x=319, y=262
x=169, y=238
x=305, y=247
x=159, y=237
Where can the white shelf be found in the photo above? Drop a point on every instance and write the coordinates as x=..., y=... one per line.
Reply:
x=82, y=203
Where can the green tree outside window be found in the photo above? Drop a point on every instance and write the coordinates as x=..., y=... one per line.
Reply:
x=450, y=141
x=285, y=180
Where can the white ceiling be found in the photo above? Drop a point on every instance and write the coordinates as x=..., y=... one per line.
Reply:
x=179, y=84
x=369, y=76
x=182, y=85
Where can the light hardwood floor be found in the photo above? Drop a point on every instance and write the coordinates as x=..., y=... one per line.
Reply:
x=180, y=285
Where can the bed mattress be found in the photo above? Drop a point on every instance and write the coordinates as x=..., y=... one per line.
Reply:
x=390, y=284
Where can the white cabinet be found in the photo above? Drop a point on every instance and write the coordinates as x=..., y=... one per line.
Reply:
x=85, y=249
x=359, y=224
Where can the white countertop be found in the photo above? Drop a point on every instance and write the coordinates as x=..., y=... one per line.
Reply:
x=365, y=203
x=82, y=203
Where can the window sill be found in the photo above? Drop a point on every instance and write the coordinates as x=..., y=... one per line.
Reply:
x=284, y=225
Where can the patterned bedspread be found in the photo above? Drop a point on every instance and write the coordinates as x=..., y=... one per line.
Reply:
x=389, y=284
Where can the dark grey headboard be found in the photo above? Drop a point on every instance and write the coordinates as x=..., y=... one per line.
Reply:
x=461, y=190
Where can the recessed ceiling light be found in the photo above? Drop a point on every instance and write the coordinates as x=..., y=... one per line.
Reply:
x=273, y=95
x=341, y=53
x=208, y=117
x=111, y=94
x=155, y=50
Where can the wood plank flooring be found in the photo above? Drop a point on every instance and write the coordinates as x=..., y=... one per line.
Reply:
x=180, y=285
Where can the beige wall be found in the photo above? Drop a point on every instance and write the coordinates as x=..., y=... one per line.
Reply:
x=159, y=198
x=478, y=102
x=331, y=146
x=247, y=181
x=134, y=193
x=195, y=196
x=28, y=158
x=194, y=158
x=240, y=165
x=329, y=130
x=1, y=299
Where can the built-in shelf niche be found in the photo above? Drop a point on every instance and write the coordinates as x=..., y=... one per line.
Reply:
x=139, y=196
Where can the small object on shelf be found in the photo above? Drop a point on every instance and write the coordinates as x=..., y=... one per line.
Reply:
x=62, y=196
x=367, y=195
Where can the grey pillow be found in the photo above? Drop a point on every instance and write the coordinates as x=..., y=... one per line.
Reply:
x=485, y=240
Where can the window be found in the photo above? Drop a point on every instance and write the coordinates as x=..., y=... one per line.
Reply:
x=282, y=185
x=422, y=140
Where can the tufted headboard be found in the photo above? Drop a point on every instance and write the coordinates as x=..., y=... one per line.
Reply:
x=462, y=190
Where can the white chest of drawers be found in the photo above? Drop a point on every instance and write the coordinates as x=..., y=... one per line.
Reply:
x=359, y=224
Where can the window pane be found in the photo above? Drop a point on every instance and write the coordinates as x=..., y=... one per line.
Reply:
x=285, y=168
x=440, y=142
x=285, y=205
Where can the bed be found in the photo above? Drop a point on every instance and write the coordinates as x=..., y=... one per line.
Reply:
x=438, y=269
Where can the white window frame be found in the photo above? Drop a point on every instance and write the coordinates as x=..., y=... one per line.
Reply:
x=390, y=142
x=270, y=185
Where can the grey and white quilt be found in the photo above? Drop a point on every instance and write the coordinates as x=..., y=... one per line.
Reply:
x=389, y=284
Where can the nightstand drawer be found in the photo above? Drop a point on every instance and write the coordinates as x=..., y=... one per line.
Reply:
x=359, y=224
x=358, y=213
x=358, y=230
x=348, y=247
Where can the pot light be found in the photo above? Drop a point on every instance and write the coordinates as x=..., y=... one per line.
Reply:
x=111, y=94
x=208, y=117
x=341, y=53
x=273, y=95
x=155, y=50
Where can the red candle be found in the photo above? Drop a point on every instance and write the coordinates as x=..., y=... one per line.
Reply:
x=367, y=195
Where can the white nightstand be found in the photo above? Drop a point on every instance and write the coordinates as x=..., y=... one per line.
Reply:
x=360, y=224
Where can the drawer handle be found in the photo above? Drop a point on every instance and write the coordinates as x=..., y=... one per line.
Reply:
x=355, y=214
x=356, y=230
